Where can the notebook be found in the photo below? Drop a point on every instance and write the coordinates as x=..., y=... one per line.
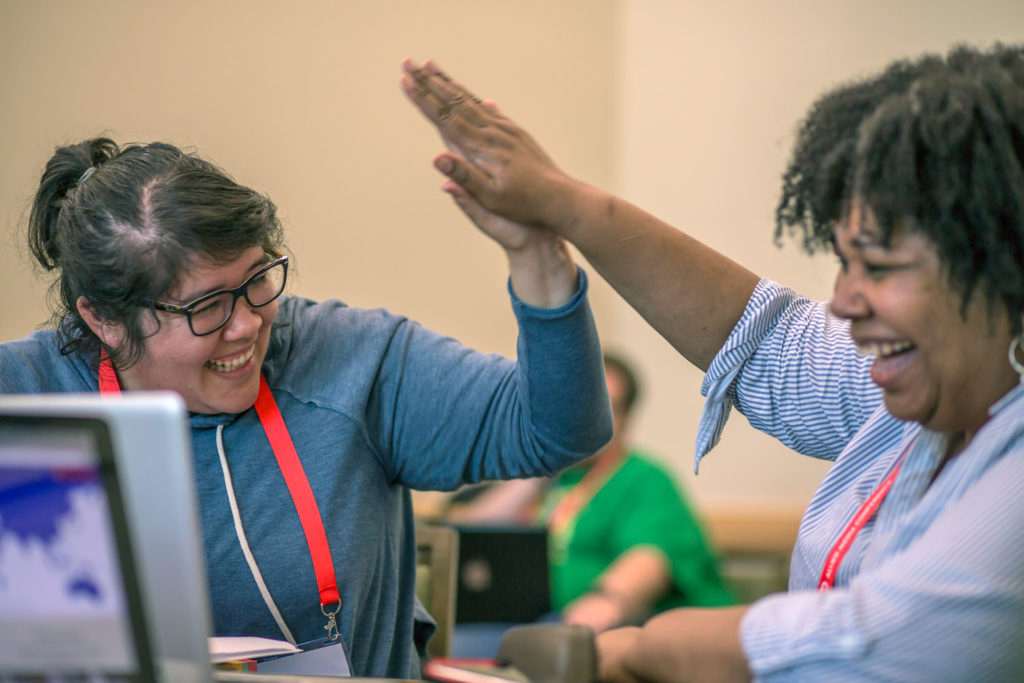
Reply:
x=101, y=576
x=503, y=574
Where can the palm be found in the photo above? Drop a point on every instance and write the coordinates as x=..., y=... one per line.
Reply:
x=506, y=232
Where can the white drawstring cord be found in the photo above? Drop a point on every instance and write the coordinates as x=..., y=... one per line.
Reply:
x=240, y=532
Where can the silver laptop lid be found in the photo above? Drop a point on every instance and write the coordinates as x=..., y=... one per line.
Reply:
x=154, y=613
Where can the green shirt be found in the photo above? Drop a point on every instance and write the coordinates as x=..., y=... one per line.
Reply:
x=639, y=505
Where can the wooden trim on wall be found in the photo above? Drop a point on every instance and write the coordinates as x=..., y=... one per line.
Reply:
x=764, y=530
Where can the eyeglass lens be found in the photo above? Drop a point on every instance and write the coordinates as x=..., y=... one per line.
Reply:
x=259, y=291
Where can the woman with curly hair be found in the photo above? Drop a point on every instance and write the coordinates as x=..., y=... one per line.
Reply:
x=908, y=561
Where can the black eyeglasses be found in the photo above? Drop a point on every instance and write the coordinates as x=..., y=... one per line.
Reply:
x=210, y=312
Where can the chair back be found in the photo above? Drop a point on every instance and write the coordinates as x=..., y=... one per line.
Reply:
x=437, y=554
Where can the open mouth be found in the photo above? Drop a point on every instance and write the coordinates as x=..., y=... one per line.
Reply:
x=228, y=366
x=892, y=361
x=884, y=349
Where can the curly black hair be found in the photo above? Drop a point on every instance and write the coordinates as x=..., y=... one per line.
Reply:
x=935, y=144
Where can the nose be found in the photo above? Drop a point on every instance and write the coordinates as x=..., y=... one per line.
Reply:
x=245, y=321
x=848, y=297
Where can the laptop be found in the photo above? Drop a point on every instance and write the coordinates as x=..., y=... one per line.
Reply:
x=503, y=574
x=102, y=576
x=101, y=572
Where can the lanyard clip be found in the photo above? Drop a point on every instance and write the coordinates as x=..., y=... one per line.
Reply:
x=332, y=623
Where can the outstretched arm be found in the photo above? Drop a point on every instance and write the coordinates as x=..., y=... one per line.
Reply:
x=686, y=644
x=690, y=293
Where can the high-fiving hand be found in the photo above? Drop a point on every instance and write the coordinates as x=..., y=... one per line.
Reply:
x=501, y=179
x=491, y=159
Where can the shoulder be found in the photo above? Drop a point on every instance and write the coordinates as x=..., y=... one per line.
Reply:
x=305, y=329
x=642, y=471
x=307, y=317
x=324, y=351
x=642, y=464
x=34, y=364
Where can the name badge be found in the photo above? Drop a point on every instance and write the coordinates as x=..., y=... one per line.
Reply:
x=321, y=657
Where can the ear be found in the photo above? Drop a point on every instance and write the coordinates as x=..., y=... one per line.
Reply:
x=110, y=333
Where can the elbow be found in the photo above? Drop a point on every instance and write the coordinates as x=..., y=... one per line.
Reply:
x=603, y=432
x=595, y=438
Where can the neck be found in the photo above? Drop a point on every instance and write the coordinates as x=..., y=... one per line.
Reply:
x=605, y=457
x=954, y=446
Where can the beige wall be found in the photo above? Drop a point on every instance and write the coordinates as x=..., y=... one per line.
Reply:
x=709, y=100
x=301, y=100
x=685, y=107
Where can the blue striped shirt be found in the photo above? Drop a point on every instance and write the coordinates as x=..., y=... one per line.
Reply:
x=932, y=589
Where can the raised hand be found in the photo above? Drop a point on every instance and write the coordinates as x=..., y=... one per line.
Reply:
x=691, y=294
x=491, y=159
x=496, y=175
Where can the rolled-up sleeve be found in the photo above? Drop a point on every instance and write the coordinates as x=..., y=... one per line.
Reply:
x=791, y=368
x=448, y=414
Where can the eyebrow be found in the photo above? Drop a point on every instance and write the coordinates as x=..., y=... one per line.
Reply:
x=259, y=263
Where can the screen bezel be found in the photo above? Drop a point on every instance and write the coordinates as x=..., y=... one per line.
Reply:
x=97, y=433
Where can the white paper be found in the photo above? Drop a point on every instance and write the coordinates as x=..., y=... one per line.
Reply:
x=226, y=649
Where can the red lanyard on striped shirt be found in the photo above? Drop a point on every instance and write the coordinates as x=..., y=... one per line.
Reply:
x=866, y=512
x=298, y=486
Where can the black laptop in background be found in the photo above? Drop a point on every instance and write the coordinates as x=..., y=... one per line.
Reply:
x=503, y=574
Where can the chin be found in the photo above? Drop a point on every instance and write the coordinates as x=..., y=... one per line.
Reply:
x=921, y=414
x=241, y=404
x=900, y=410
x=236, y=402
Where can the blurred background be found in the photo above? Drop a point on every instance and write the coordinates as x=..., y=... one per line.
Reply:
x=686, y=108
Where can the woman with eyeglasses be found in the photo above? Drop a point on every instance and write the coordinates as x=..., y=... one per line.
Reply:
x=310, y=421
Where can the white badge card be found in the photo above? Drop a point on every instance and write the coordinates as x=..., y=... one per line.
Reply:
x=326, y=658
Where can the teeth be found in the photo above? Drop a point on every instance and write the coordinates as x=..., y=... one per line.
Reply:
x=222, y=366
x=883, y=349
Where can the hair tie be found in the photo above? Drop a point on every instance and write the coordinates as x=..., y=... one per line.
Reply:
x=85, y=176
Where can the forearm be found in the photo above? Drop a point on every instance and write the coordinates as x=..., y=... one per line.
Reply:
x=687, y=291
x=624, y=593
x=637, y=579
x=543, y=273
x=502, y=179
x=690, y=644
x=561, y=379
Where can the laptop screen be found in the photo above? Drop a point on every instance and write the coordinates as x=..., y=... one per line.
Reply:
x=69, y=599
x=503, y=574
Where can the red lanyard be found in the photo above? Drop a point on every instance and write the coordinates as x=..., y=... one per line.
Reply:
x=866, y=512
x=107, y=376
x=298, y=486
x=302, y=495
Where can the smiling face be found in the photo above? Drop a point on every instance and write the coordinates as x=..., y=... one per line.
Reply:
x=935, y=366
x=219, y=372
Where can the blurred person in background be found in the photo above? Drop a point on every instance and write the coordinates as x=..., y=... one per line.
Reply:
x=623, y=543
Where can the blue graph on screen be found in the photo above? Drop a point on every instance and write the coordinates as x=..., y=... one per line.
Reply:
x=57, y=554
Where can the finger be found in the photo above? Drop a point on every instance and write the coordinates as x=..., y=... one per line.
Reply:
x=440, y=98
x=433, y=68
x=469, y=206
x=463, y=173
